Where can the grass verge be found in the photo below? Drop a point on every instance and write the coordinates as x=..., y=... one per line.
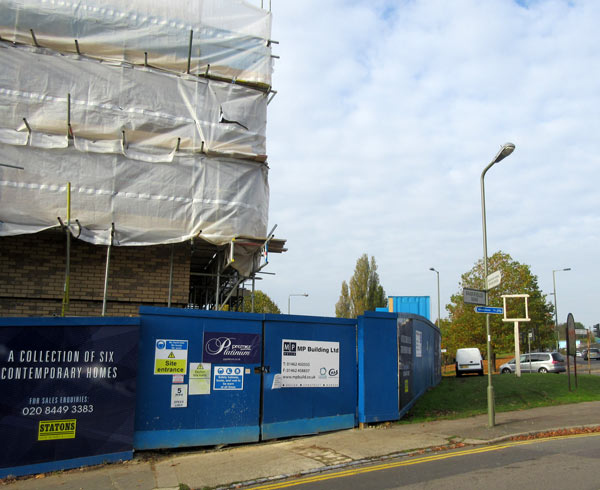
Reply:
x=456, y=398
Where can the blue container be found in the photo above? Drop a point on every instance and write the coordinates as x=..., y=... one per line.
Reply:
x=417, y=305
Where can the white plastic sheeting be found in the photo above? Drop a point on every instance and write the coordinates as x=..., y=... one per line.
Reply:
x=230, y=39
x=163, y=155
x=158, y=112
x=149, y=203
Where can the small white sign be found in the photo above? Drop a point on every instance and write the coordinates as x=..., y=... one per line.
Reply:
x=276, y=382
x=310, y=364
x=179, y=396
x=418, y=343
x=494, y=279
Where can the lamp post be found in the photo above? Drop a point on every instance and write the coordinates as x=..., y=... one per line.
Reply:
x=299, y=294
x=555, y=307
x=438, y=297
x=506, y=150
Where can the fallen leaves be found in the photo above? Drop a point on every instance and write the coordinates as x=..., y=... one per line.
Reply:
x=557, y=433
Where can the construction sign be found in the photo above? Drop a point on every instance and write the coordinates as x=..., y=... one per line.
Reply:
x=170, y=356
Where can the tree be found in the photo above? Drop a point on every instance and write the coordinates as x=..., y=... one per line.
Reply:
x=262, y=303
x=562, y=331
x=343, y=306
x=364, y=293
x=467, y=328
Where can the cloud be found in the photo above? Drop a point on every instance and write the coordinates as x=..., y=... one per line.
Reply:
x=386, y=115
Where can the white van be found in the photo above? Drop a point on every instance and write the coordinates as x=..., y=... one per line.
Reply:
x=469, y=361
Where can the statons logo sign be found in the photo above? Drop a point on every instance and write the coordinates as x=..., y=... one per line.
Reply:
x=49, y=430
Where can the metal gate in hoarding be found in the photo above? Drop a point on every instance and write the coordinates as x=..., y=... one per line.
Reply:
x=310, y=378
x=208, y=378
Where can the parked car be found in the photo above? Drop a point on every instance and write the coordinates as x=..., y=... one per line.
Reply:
x=537, y=362
x=591, y=353
x=468, y=360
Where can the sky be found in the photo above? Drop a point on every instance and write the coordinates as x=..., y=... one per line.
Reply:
x=385, y=116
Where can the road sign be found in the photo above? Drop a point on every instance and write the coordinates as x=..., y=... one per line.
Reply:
x=473, y=296
x=581, y=331
x=489, y=309
x=494, y=279
x=571, y=344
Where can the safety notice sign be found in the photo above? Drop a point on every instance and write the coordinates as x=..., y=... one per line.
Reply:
x=228, y=378
x=170, y=356
x=199, y=378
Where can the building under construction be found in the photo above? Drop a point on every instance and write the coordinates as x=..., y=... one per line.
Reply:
x=133, y=162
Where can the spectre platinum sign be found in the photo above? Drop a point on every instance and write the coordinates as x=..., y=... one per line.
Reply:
x=231, y=348
x=310, y=364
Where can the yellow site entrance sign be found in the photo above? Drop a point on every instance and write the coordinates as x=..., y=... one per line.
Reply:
x=170, y=356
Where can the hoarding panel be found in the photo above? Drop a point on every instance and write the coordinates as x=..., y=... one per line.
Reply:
x=68, y=390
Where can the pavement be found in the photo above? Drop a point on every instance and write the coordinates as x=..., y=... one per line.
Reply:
x=229, y=467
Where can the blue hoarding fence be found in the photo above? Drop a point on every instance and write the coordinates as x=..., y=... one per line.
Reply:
x=266, y=376
x=399, y=359
x=203, y=378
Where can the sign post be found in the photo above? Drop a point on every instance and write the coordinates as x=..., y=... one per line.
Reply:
x=571, y=348
x=529, y=337
x=516, y=322
x=588, y=349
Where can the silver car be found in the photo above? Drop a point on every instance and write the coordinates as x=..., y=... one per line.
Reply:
x=537, y=362
x=591, y=353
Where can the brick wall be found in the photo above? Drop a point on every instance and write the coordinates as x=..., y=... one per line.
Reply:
x=32, y=275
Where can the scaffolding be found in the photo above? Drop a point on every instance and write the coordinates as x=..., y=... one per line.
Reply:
x=149, y=120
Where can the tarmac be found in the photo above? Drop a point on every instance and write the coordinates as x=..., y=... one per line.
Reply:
x=233, y=466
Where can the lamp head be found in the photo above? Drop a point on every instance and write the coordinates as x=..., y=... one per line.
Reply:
x=507, y=149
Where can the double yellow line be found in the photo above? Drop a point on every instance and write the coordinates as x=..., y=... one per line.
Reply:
x=425, y=459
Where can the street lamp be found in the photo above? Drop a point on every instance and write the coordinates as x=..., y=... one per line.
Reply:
x=555, y=307
x=506, y=150
x=299, y=294
x=438, y=298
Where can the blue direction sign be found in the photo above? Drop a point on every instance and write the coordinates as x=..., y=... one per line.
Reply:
x=489, y=309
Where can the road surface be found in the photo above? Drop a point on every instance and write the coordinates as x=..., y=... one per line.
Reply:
x=552, y=463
